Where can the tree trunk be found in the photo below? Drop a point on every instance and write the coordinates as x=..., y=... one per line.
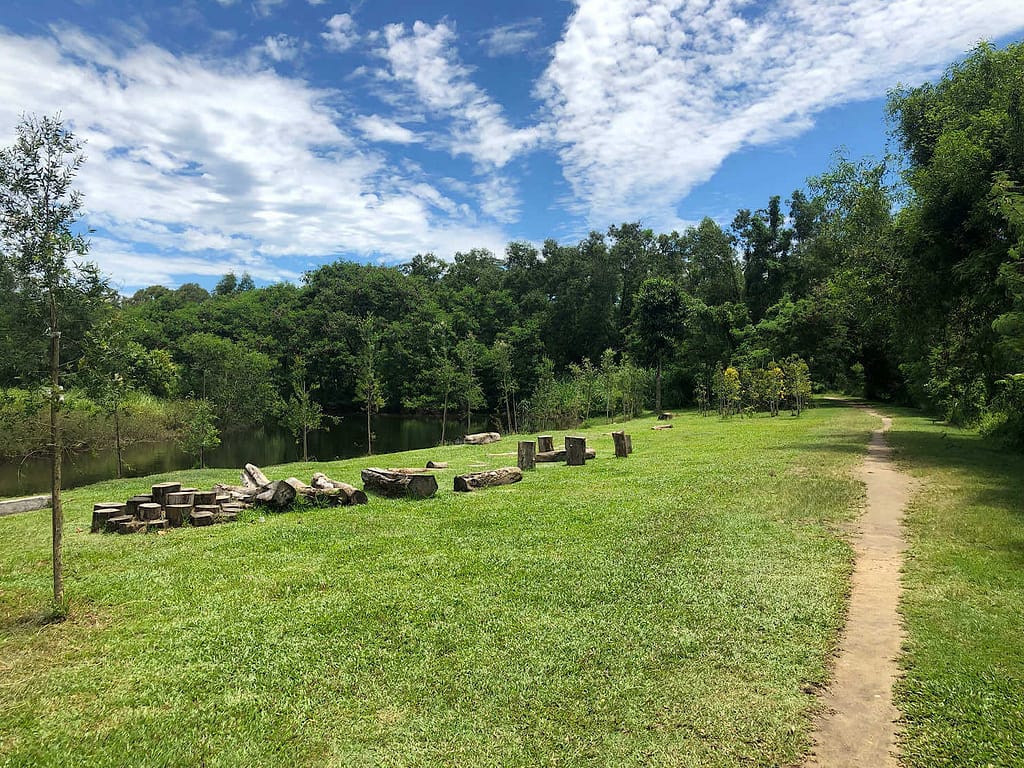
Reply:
x=393, y=484
x=278, y=494
x=657, y=387
x=481, y=438
x=527, y=453
x=575, y=451
x=476, y=480
x=621, y=451
x=545, y=443
x=305, y=443
x=117, y=435
x=369, y=433
x=57, y=518
x=444, y=416
x=549, y=457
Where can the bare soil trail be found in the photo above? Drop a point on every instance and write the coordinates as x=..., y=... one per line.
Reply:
x=858, y=725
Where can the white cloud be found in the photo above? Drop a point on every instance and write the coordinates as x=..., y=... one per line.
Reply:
x=426, y=61
x=510, y=39
x=341, y=32
x=230, y=164
x=266, y=7
x=647, y=98
x=281, y=47
x=377, y=128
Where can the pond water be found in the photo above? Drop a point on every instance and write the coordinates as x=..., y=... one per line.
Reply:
x=265, y=446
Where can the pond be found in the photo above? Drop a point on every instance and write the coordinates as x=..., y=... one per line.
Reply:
x=265, y=446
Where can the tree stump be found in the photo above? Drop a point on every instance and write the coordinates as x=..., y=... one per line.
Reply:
x=104, y=511
x=160, y=490
x=150, y=511
x=177, y=514
x=200, y=517
x=665, y=416
x=545, y=443
x=481, y=438
x=575, y=451
x=132, y=505
x=621, y=450
x=222, y=498
x=181, y=497
x=629, y=444
x=113, y=522
x=476, y=480
x=527, y=454
x=131, y=526
x=396, y=485
x=157, y=525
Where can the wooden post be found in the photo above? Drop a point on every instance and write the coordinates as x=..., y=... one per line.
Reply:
x=575, y=451
x=629, y=444
x=545, y=443
x=620, y=445
x=527, y=454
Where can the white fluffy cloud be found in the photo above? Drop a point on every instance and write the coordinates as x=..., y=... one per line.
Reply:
x=510, y=39
x=377, y=128
x=234, y=165
x=648, y=98
x=341, y=32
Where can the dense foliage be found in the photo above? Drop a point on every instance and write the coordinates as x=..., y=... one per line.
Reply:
x=899, y=279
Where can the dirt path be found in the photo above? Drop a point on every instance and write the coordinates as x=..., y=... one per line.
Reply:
x=858, y=725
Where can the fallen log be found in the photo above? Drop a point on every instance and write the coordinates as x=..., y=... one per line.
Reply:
x=476, y=480
x=662, y=426
x=665, y=416
x=559, y=455
x=394, y=484
x=253, y=477
x=437, y=465
x=322, y=482
x=409, y=470
x=481, y=438
x=277, y=494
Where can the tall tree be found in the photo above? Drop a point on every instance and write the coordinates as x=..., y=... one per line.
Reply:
x=41, y=237
x=657, y=325
x=369, y=382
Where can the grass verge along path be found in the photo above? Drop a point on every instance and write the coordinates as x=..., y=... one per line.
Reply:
x=674, y=608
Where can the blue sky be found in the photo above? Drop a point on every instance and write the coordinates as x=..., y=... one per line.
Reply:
x=272, y=136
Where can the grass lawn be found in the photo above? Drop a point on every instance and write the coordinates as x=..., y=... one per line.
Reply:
x=963, y=605
x=674, y=608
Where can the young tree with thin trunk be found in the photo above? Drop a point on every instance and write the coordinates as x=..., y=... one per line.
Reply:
x=39, y=238
x=369, y=384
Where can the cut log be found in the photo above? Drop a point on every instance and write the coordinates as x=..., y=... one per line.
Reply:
x=177, y=514
x=549, y=457
x=476, y=480
x=132, y=505
x=204, y=497
x=181, y=497
x=662, y=426
x=353, y=494
x=235, y=492
x=253, y=477
x=222, y=498
x=545, y=443
x=396, y=485
x=409, y=470
x=224, y=517
x=527, y=454
x=113, y=522
x=131, y=526
x=104, y=511
x=621, y=451
x=665, y=416
x=160, y=490
x=437, y=465
x=298, y=486
x=278, y=494
x=151, y=511
x=481, y=438
x=575, y=451
x=201, y=517
x=157, y=525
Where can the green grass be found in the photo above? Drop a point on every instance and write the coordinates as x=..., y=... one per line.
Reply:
x=675, y=608
x=963, y=604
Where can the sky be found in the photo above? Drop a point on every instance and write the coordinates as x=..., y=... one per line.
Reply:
x=273, y=136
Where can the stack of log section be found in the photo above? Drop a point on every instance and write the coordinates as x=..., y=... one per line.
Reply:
x=168, y=505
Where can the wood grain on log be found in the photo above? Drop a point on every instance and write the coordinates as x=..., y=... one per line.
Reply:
x=476, y=480
x=575, y=451
x=481, y=438
x=620, y=445
x=545, y=443
x=253, y=477
x=549, y=457
x=181, y=497
x=393, y=484
x=278, y=494
x=527, y=454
